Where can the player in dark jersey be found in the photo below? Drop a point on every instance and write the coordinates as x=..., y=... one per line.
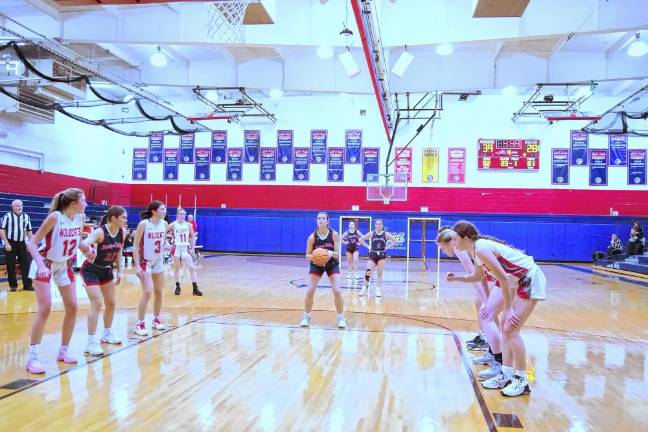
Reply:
x=99, y=278
x=379, y=242
x=324, y=238
x=350, y=238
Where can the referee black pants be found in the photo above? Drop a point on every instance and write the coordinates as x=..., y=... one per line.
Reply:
x=19, y=251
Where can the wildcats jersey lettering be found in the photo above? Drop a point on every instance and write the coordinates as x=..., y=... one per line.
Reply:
x=181, y=234
x=152, y=244
x=62, y=242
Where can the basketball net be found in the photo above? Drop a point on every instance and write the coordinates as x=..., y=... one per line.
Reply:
x=386, y=194
x=225, y=20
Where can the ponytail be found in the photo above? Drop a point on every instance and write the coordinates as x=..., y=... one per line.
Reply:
x=112, y=212
x=148, y=213
x=64, y=199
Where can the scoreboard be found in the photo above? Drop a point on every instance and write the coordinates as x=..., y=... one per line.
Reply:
x=515, y=154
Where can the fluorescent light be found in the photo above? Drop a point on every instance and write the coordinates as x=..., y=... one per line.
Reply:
x=638, y=48
x=348, y=63
x=402, y=63
x=509, y=91
x=276, y=93
x=444, y=49
x=158, y=59
x=325, y=52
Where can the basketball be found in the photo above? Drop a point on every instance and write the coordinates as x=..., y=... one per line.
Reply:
x=320, y=257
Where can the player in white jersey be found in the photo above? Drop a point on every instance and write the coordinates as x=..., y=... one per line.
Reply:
x=522, y=284
x=61, y=231
x=182, y=251
x=148, y=255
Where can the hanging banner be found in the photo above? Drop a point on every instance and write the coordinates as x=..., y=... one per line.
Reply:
x=252, y=142
x=403, y=162
x=285, y=140
x=430, y=170
x=456, y=165
x=636, y=167
x=318, y=146
x=335, y=164
x=156, y=144
x=218, y=146
x=559, y=166
x=579, y=144
x=268, y=170
x=618, y=145
x=353, y=144
x=139, y=164
x=370, y=161
x=234, y=164
x=187, y=142
x=170, y=164
x=201, y=164
x=598, y=167
x=301, y=164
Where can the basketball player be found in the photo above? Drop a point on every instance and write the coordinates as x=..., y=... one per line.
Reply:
x=379, y=242
x=324, y=238
x=99, y=278
x=148, y=254
x=522, y=284
x=61, y=231
x=183, y=249
x=350, y=239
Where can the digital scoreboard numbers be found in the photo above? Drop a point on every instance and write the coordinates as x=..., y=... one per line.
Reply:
x=514, y=154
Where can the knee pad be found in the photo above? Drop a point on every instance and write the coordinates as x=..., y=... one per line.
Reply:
x=367, y=275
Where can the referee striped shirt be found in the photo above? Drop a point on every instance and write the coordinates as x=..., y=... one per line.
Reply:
x=16, y=226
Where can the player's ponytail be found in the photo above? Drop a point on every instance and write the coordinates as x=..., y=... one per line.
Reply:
x=148, y=213
x=112, y=212
x=63, y=199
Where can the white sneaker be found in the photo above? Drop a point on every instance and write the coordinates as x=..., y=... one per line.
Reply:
x=517, y=387
x=484, y=359
x=341, y=322
x=492, y=371
x=157, y=324
x=305, y=322
x=140, y=329
x=110, y=339
x=363, y=292
x=378, y=294
x=94, y=349
x=349, y=276
x=497, y=382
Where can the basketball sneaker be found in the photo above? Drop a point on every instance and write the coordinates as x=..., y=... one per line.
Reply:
x=305, y=322
x=518, y=386
x=94, y=349
x=492, y=371
x=157, y=324
x=478, y=343
x=341, y=322
x=497, y=382
x=140, y=329
x=34, y=366
x=64, y=357
x=363, y=292
x=110, y=339
x=484, y=359
x=378, y=293
x=349, y=276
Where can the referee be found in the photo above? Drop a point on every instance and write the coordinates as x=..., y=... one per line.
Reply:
x=14, y=231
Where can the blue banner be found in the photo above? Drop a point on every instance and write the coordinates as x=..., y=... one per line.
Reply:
x=156, y=144
x=234, y=164
x=370, y=161
x=618, y=145
x=636, y=167
x=335, y=164
x=285, y=141
x=170, y=164
x=578, y=146
x=353, y=144
x=201, y=164
x=218, y=146
x=559, y=166
x=139, y=164
x=301, y=164
x=187, y=142
x=252, y=142
x=268, y=170
x=318, y=146
x=598, y=175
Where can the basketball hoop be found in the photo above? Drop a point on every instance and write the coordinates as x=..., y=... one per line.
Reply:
x=386, y=193
x=225, y=20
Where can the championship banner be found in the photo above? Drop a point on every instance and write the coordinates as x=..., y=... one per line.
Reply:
x=403, y=162
x=598, y=167
x=201, y=164
x=456, y=165
x=578, y=145
x=139, y=164
x=252, y=142
x=268, y=170
x=370, y=161
x=430, y=170
x=636, y=167
x=170, y=164
x=187, y=142
x=618, y=145
x=318, y=145
x=559, y=166
x=156, y=143
x=301, y=164
x=218, y=146
x=285, y=141
x=335, y=164
x=353, y=144
x=234, y=164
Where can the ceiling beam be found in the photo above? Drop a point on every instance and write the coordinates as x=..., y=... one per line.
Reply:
x=121, y=54
x=45, y=7
x=500, y=8
x=175, y=54
x=621, y=43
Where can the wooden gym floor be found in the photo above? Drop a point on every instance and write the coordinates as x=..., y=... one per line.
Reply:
x=236, y=359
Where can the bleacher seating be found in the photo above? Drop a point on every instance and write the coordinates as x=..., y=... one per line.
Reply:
x=636, y=265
